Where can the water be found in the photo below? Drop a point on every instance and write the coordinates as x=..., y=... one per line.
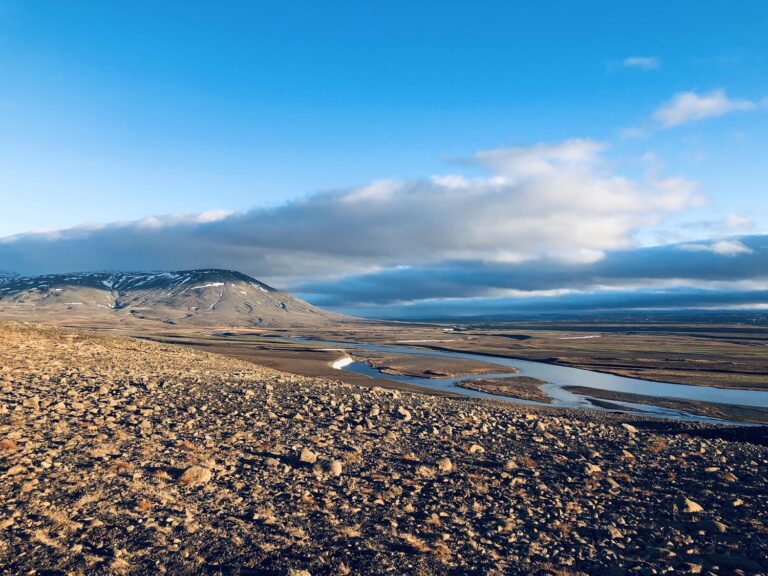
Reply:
x=559, y=377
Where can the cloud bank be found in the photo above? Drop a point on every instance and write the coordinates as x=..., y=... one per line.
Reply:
x=547, y=201
x=541, y=221
x=662, y=269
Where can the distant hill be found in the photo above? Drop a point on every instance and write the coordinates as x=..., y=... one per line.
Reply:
x=189, y=297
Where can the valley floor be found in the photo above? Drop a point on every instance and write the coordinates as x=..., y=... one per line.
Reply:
x=133, y=457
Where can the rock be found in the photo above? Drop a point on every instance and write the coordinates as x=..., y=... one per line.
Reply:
x=195, y=476
x=688, y=506
x=307, y=456
x=336, y=468
x=629, y=428
x=16, y=470
x=8, y=445
x=711, y=526
x=425, y=472
x=592, y=469
x=80, y=490
x=5, y=523
x=655, y=552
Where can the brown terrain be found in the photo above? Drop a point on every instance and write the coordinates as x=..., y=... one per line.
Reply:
x=728, y=355
x=188, y=298
x=732, y=412
x=425, y=366
x=120, y=456
x=721, y=354
x=522, y=387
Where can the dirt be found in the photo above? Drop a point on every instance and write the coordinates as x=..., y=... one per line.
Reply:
x=120, y=456
x=523, y=387
x=427, y=366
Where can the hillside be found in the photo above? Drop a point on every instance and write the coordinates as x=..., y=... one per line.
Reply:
x=120, y=456
x=190, y=297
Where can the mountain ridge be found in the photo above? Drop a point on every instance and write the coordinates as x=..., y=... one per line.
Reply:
x=208, y=296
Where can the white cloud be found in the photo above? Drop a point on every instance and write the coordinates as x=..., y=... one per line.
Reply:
x=542, y=159
x=690, y=106
x=641, y=62
x=548, y=201
x=737, y=221
x=633, y=133
x=721, y=247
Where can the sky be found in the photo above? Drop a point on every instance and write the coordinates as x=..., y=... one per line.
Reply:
x=395, y=158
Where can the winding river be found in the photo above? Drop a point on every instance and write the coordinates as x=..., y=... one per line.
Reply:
x=556, y=378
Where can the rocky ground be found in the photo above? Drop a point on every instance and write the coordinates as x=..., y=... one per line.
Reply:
x=122, y=456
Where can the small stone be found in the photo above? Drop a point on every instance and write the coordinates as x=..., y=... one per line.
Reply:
x=336, y=468
x=404, y=414
x=195, y=476
x=592, y=469
x=444, y=465
x=629, y=428
x=308, y=456
x=688, y=506
x=510, y=465
x=425, y=472
x=14, y=470
x=7, y=445
x=476, y=449
x=711, y=526
x=614, y=532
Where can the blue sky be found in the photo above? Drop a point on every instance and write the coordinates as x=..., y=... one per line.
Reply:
x=116, y=112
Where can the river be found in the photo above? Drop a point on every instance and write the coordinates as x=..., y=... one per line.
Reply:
x=557, y=378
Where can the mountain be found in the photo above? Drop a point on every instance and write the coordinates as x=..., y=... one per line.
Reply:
x=189, y=297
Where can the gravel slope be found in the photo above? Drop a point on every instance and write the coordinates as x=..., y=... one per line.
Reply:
x=124, y=456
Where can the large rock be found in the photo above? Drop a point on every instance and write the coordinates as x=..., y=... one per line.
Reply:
x=195, y=476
